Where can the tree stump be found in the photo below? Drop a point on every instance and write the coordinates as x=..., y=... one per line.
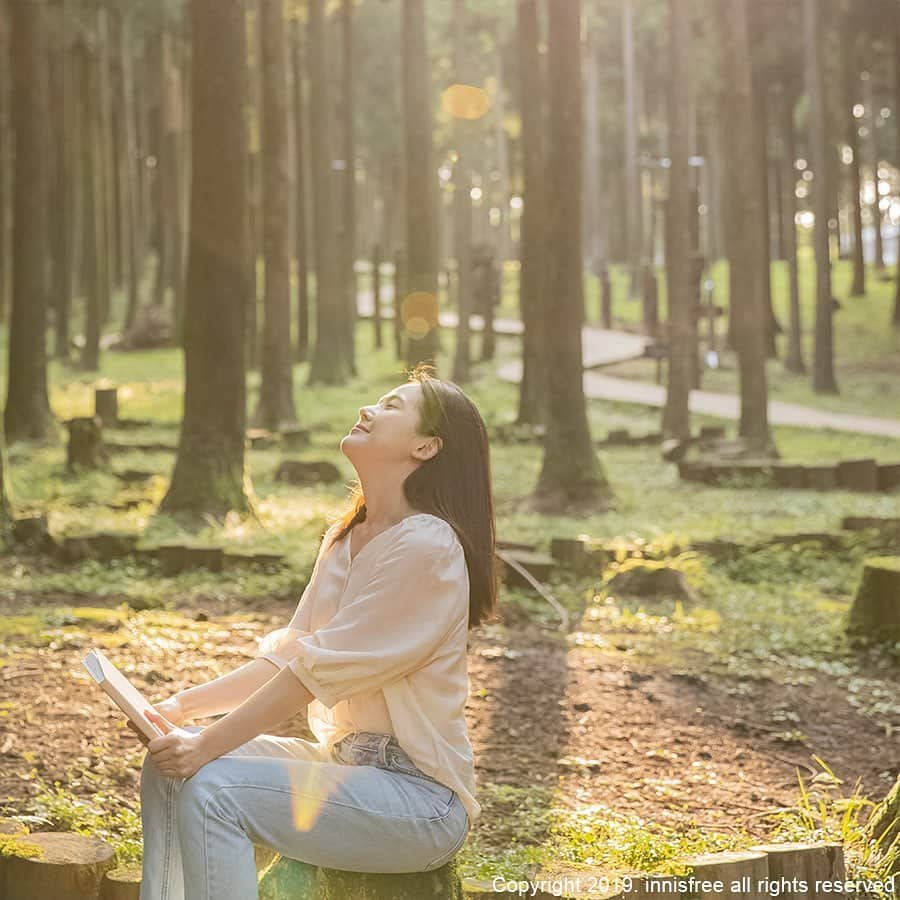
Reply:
x=297, y=471
x=33, y=532
x=70, y=867
x=889, y=477
x=876, y=608
x=106, y=406
x=746, y=867
x=789, y=476
x=292, y=879
x=821, y=478
x=646, y=579
x=440, y=884
x=808, y=863
x=176, y=558
x=121, y=884
x=86, y=443
x=883, y=825
x=858, y=475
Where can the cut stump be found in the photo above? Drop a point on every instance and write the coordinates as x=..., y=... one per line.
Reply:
x=876, y=608
x=69, y=867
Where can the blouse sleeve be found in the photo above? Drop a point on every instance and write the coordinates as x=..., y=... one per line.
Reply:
x=417, y=595
x=275, y=646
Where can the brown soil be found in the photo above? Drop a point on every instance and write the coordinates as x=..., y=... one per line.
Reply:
x=674, y=750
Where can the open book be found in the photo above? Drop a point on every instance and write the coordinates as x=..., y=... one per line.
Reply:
x=123, y=693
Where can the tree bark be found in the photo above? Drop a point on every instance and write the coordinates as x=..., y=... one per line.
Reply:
x=27, y=414
x=209, y=476
x=328, y=364
x=633, y=206
x=682, y=314
x=794, y=361
x=744, y=211
x=348, y=183
x=571, y=472
x=420, y=307
x=462, y=208
x=275, y=408
x=851, y=97
x=300, y=202
x=823, y=361
x=897, y=130
x=533, y=384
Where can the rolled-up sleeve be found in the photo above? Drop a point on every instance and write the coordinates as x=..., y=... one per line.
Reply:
x=416, y=596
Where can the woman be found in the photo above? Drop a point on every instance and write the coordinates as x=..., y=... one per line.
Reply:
x=377, y=652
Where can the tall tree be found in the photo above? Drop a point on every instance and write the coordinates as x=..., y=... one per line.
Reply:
x=824, y=381
x=27, y=414
x=786, y=101
x=743, y=212
x=634, y=203
x=329, y=364
x=850, y=102
x=897, y=130
x=571, y=472
x=300, y=202
x=462, y=206
x=276, y=394
x=419, y=309
x=533, y=250
x=682, y=303
x=209, y=475
x=348, y=182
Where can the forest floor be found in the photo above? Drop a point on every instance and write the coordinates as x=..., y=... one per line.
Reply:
x=649, y=730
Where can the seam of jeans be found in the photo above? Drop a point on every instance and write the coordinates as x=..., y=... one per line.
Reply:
x=167, y=852
x=445, y=857
x=292, y=792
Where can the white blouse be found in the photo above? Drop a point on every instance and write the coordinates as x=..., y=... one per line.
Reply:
x=380, y=642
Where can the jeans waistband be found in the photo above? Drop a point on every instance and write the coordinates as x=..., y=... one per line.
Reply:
x=372, y=748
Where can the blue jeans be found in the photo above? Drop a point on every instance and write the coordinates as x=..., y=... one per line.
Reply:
x=362, y=807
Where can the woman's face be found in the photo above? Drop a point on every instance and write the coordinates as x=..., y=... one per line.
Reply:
x=388, y=432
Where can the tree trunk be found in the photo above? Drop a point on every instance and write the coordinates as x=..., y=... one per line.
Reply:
x=131, y=175
x=328, y=364
x=462, y=207
x=851, y=97
x=27, y=414
x=682, y=313
x=105, y=164
x=348, y=183
x=420, y=307
x=61, y=192
x=744, y=211
x=571, y=472
x=634, y=203
x=94, y=231
x=532, y=247
x=823, y=362
x=209, y=476
x=794, y=360
x=897, y=130
x=6, y=164
x=300, y=220
x=275, y=409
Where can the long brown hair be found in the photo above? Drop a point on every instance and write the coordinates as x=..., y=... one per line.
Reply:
x=454, y=484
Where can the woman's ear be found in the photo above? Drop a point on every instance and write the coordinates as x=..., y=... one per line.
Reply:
x=431, y=447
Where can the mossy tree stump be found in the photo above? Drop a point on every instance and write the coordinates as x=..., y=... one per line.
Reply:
x=86, y=449
x=876, y=608
x=291, y=879
x=65, y=867
x=883, y=826
x=121, y=884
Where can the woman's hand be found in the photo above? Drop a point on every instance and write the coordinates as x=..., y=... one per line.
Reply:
x=177, y=753
x=173, y=715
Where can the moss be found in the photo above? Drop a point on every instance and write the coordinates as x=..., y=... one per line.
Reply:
x=19, y=846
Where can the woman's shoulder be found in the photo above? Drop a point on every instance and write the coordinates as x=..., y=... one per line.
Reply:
x=429, y=532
